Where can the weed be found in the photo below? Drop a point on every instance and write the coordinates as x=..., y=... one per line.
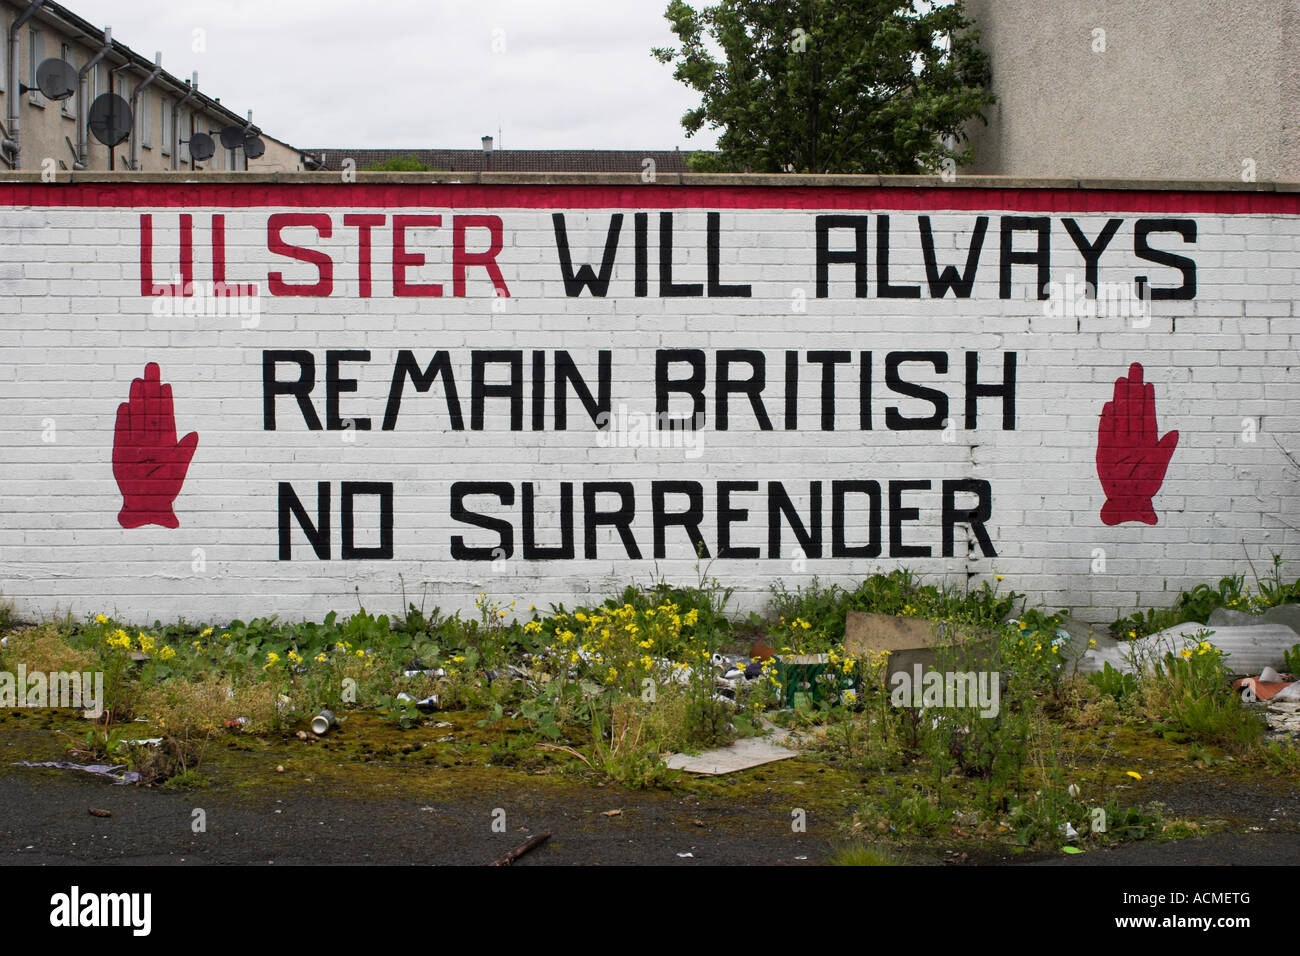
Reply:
x=862, y=855
x=1114, y=683
x=1188, y=697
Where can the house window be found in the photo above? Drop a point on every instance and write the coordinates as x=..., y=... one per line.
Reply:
x=165, y=126
x=146, y=119
x=70, y=104
x=35, y=53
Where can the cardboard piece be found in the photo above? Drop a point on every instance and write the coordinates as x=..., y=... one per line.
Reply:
x=741, y=755
x=912, y=640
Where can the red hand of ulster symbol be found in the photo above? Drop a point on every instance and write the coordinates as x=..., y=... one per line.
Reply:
x=1131, y=462
x=148, y=463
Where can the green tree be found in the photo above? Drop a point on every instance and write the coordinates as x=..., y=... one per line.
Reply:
x=410, y=163
x=830, y=86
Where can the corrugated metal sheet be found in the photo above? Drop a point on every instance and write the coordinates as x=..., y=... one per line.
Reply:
x=1250, y=648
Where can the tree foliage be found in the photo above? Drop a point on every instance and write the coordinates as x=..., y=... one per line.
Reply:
x=410, y=163
x=838, y=86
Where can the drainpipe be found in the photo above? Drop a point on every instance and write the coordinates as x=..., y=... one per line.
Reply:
x=135, y=95
x=193, y=87
x=15, y=96
x=247, y=127
x=83, y=108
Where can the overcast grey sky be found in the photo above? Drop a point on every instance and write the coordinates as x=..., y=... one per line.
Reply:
x=407, y=73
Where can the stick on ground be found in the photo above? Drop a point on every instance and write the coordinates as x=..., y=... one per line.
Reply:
x=520, y=850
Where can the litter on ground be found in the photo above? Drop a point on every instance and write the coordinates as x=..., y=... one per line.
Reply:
x=742, y=755
x=117, y=774
x=1249, y=648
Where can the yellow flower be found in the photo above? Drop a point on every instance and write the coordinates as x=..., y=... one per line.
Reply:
x=272, y=658
x=1186, y=652
x=1000, y=577
x=320, y=658
x=1132, y=634
x=533, y=627
x=206, y=632
x=458, y=660
x=146, y=642
x=100, y=619
x=165, y=653
x=119, y=638
x=295, y=657
x=1135, y=775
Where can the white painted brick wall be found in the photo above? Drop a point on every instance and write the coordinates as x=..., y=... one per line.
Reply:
x=75, y=331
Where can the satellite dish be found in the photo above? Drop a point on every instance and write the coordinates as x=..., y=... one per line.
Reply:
x=232, y=137
x=254, y=147
x=110, y=119
x=202, y=146
x=56, y=78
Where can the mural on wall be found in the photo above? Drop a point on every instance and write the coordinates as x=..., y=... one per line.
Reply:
x=1131, y=460
x=552, y=391
x=148, y=462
